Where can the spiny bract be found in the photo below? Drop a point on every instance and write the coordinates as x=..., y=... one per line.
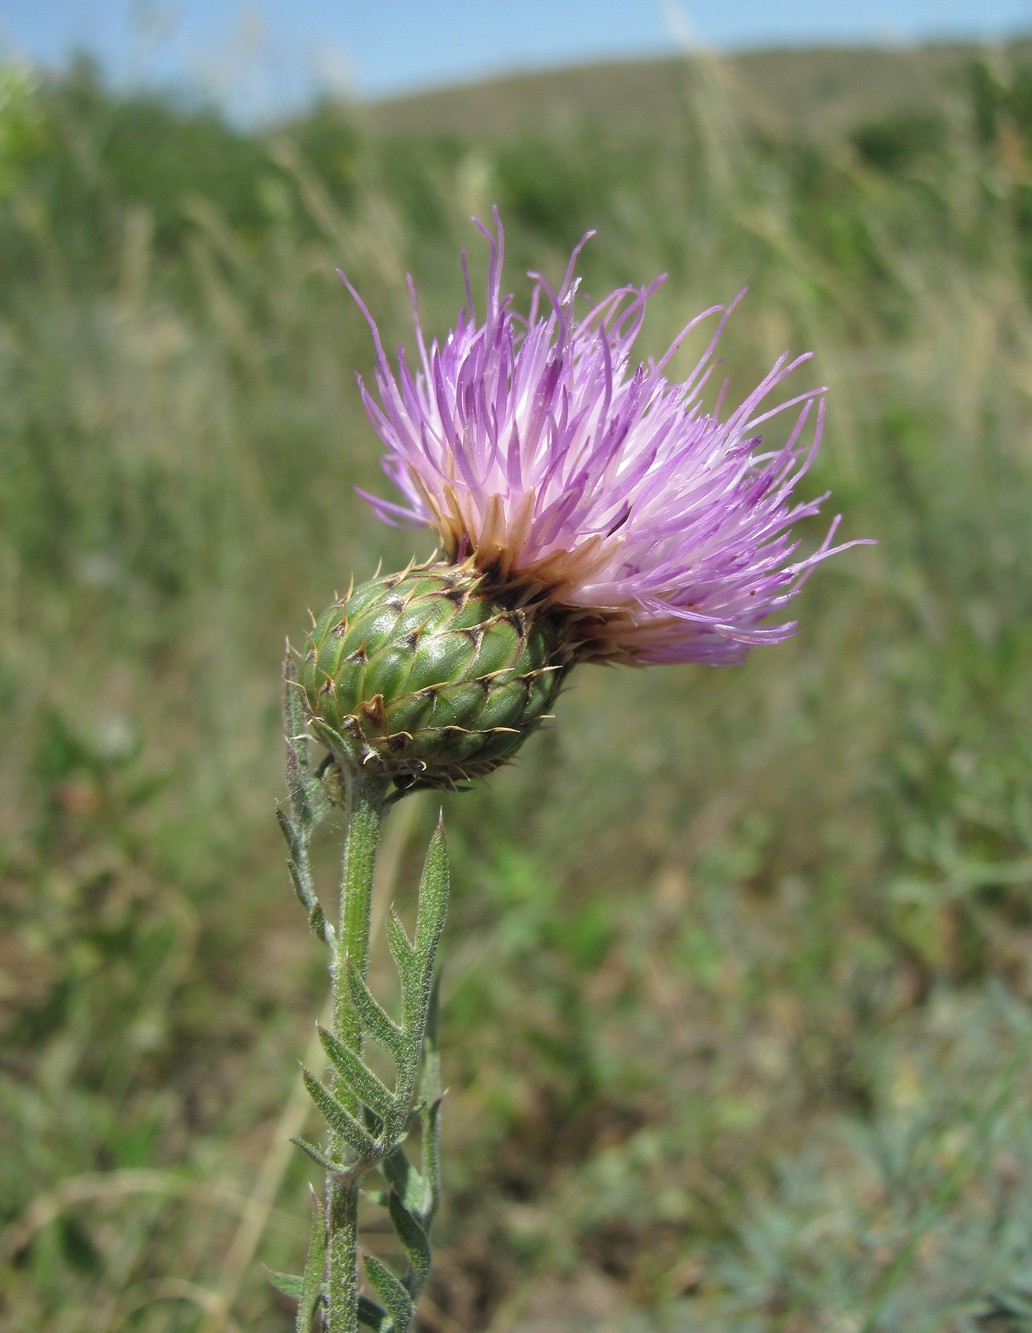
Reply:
x=437, y=674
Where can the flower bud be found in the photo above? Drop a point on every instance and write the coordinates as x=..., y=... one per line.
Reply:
x=436, y=673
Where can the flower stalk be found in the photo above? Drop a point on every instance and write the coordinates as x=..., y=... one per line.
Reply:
x=366, y=799
x=368, y=1121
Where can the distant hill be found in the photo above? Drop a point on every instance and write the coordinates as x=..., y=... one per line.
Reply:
x=819, y=92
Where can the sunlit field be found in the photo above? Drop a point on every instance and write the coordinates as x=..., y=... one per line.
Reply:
x=737, y=999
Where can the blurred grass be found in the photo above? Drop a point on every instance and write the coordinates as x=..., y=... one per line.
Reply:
x=749, y=1050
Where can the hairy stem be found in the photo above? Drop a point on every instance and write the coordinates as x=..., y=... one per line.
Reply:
x=366, y=801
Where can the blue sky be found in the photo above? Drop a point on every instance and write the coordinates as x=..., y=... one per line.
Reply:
x=263, y=56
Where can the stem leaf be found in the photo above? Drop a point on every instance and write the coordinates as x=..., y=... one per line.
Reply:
x=430, y=1114
x=411, y=1187
x=359, y=1078
x=375, y=1019
x=402, y=949
x=290, y=1284
x=392, y=1292
x=312, y=1289
x=344, y=751
x=414, y=1239
x=320, y=1158
x=340, y=1120
x=434, y=888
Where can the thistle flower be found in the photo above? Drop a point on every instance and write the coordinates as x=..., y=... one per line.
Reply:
x=588, y=510
x=537, y=447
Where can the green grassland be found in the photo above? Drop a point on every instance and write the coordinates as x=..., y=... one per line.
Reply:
x=737, y=986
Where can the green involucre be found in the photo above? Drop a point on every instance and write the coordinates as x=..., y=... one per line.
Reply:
x=439, y=674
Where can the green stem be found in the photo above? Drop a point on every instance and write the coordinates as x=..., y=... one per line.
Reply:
x=366, y=802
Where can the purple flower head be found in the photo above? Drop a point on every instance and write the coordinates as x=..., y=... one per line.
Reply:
x=539, y=448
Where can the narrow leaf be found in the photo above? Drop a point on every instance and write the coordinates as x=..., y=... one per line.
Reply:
x=430, y=1083
x=294, y=727
x=434, y=888
x=358, y=1076
x=402, y=949
x=320, y=927
x=343, y=750
x=430, y=1114
x=296, y=862
x=418, y=980
x=411, y=1187
x=375, y=1019
x=320, y=1158
x=340, y=1120
x=301, y=874
x=312, y=1290
x=414, y=1239
x=430, y=1107
x=287, y=829
x=291, y=1284
x=293, y=705
x=308, y=804
x=393, y=1293
x=333, y=740
x=412, y=987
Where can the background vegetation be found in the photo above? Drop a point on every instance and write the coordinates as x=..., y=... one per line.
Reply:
x=737, y=995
